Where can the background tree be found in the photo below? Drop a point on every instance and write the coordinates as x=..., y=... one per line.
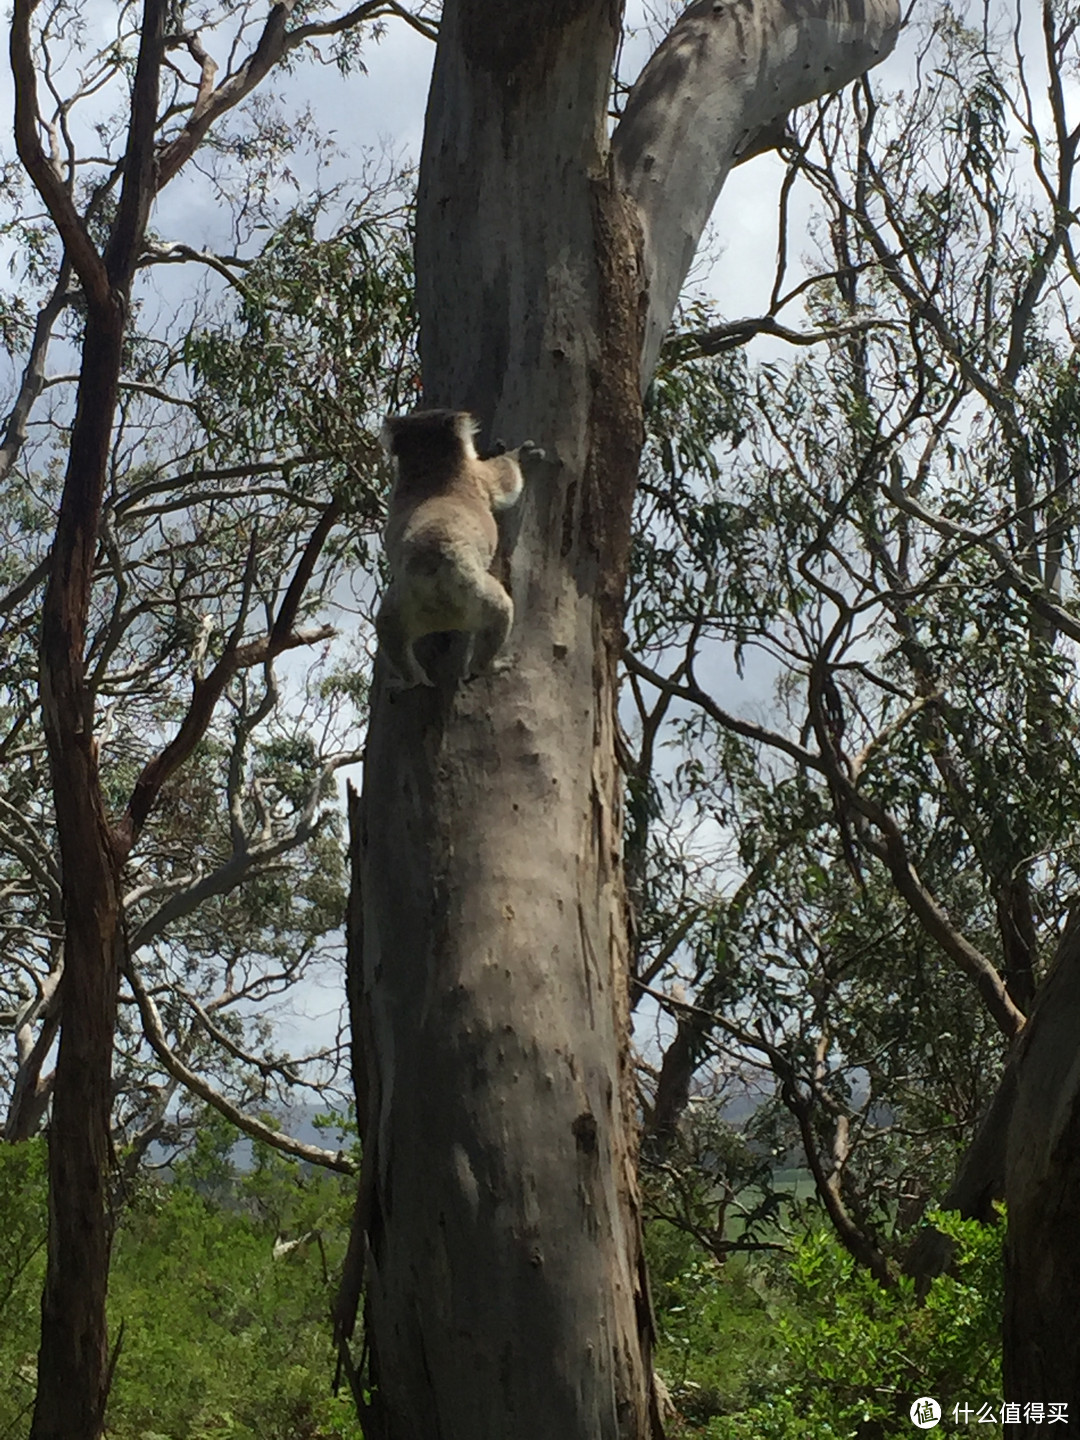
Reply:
x=887, y=541
x=489, y=952
x=161, y=618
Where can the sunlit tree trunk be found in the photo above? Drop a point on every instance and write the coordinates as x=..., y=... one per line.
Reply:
x=497, y=1224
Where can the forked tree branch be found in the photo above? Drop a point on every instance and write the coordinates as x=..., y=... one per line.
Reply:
x=275, y=42
x=209, y=690
x=717, y=89
x=80, y=248
x=891, y=849
x=243, y=862
x=156, y=1038
x=730, y=336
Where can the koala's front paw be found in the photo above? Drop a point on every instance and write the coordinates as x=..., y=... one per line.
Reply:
x=529, y=451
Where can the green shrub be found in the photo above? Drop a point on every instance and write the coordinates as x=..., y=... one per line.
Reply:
x=845, y=1358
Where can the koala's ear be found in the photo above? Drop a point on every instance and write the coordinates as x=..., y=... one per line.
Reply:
x=388, y=433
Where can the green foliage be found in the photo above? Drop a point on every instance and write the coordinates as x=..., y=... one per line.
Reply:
x=321, y=343
x=716, y=1330
x=22, y=1270
x=856, y=564
x=830, y=1353
x=221, y=1338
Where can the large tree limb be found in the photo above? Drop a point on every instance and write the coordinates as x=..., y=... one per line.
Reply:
x=31, y=1093
x=1031, y=1110
x=137, y=192
x=718, y=88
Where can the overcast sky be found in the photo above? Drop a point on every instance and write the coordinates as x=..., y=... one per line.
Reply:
x=382, y=111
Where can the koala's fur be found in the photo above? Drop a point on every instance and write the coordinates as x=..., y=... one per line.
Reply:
x=440, y=539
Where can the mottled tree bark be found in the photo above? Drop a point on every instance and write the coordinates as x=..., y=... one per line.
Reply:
x=497, y=1223
x=504, y=1286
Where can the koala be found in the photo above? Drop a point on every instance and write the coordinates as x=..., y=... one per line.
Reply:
x=440, y=538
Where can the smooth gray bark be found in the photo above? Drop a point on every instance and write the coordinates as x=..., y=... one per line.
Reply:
x=497, y=1226
x=718, y=89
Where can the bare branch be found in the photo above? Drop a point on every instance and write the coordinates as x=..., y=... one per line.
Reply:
x=18, y=593
x=239, y=865
x=355, y=17
x=1042, y=603
x=33, y=378
x=174, y=252
x=273, y=44
x=719, y=338
x=693, y=692
x=81, y=251
x=155, y=1035
x=208, y=691
x=37, y=858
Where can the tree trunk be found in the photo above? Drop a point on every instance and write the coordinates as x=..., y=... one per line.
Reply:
x=73, y=1361
x=1042, y=1195
x=505, y=1291
x=497, y=1224
x=73, y=1358
x=74, y=1364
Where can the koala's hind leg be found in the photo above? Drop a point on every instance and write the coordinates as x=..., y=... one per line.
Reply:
x=396, y=641
x=496, y=615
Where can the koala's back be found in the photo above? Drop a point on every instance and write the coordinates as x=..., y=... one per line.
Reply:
x=440, y=510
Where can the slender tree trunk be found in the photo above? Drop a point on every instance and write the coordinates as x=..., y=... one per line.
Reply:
x=73, y=1359
x=73, y=1362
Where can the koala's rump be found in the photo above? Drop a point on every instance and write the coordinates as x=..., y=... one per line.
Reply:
x=442, y=568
